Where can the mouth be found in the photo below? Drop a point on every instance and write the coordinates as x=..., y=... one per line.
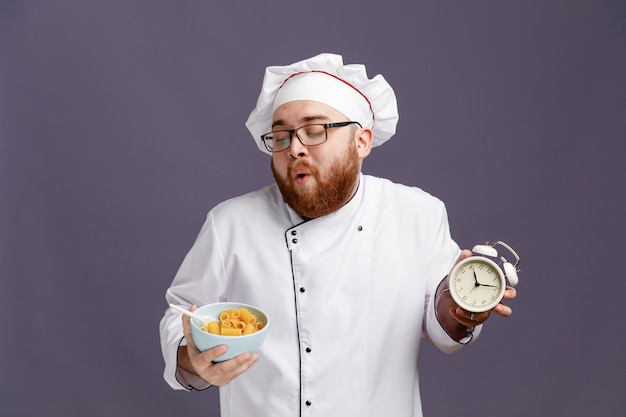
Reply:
x=300, y=175
x=301, y=178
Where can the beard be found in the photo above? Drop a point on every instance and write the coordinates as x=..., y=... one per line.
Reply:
x=328, y=194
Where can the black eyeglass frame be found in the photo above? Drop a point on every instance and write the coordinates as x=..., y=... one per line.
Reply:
x=294, y=131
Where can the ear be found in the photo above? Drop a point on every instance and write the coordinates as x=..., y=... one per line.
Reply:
x=364, y=142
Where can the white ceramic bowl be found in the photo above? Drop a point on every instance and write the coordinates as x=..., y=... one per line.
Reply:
x=236, y=344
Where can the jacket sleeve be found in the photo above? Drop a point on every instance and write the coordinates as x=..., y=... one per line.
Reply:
x=199, y=280
x=442, y=256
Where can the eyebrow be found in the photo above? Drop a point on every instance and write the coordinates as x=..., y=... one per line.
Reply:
x=305, y=119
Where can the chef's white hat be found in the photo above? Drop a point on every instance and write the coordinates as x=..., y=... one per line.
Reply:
x=324, y=78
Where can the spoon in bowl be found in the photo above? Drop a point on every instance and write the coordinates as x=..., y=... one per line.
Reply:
x=203, y=319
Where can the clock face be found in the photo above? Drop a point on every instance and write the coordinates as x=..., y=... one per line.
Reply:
x=477, y=284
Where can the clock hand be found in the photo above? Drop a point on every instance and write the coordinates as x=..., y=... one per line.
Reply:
x=478, y=284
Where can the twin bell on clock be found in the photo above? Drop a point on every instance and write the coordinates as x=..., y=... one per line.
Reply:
x=477, y=283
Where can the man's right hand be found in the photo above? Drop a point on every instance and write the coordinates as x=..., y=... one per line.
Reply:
x=201, y=363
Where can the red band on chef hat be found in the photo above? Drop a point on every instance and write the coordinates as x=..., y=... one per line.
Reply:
x=329, y=89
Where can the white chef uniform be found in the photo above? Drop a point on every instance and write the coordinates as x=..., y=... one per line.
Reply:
x=349, y=296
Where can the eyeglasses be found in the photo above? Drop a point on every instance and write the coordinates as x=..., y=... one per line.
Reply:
x=309, y=135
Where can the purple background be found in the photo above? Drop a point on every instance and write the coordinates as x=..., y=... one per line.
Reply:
x=122, y=123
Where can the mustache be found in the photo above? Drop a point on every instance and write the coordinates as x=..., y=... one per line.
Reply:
x=300, y=164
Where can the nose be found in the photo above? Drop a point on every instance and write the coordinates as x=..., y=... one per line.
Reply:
x=296, y=148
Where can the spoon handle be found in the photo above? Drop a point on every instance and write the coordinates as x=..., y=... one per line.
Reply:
x=187, y=312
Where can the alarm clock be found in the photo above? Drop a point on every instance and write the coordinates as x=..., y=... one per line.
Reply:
x=477, y=283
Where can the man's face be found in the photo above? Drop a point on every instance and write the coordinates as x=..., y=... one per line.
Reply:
x=316, y=180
